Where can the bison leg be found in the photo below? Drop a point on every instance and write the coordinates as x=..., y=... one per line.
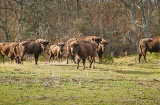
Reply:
x=89, y=60
x=140, y=55
x=73, y=58
x=3, y=59
x=78, y=60
x=36, y=58
x=92, y=61
x=83, y=60
x=100, y=57
x=145, y=58
x=50, y=56
x=67, y=57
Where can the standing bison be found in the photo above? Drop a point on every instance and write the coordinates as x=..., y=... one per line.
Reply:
x=35, y=46
x=148, y=44
x=84, y=38
x=68, y=49
x=7, y=48
x=101, y=48
x=83, y=50
x=56, y=51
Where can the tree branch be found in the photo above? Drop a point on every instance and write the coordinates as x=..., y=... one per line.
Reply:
x=127, y=5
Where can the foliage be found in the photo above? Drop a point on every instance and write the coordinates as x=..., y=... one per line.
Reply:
x=57, y=20
x=107, y=59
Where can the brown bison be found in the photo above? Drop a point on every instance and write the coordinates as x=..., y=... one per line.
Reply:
x=91, y=38
x=83, y=50
x=1, y=45
x=148, y=44
x=56, y=51
x=7, y=49
x=101, y=48
x=35, y=46
x=68, y=49
x=84, y=38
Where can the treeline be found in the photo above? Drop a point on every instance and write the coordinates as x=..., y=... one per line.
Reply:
x=122, y=22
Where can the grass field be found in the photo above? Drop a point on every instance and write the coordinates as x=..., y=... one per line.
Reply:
x=124, y=82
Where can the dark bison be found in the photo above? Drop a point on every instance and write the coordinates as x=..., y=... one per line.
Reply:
x=101, y=48
x=148, y=44
x=56, y=51
x=7, y=49
x=84, y=38
x=35, y=46
x=84, y=50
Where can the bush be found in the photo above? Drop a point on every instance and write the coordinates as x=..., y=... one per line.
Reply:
x=107, y=59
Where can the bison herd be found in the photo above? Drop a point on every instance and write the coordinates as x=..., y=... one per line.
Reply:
x=80, y=48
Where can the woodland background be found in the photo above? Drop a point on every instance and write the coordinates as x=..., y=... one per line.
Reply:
x=121, y=22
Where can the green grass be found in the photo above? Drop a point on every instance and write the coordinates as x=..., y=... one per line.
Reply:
x=124, y=82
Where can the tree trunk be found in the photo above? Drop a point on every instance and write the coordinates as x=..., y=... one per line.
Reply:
x=158, y=1
x=146, y=19
x=6, y=31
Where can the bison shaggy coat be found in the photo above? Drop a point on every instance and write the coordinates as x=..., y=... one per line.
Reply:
x=148, y=44
x=36, y=47
x=7, y=49
x=101, y=48
x=83, y=50
x=84, y=38
x=56, y=51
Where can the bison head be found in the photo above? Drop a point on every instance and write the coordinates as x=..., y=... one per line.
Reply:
x=43, y=43
x=73, y=46
x=96, y=39
x=103, y=44
x=61, y=45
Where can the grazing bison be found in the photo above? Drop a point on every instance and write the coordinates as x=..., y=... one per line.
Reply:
x=101, y=48
x=7, y=49
x=56, y=51
x=35, y=46
x=148, y=44
x=84, y=38
x=83, y=50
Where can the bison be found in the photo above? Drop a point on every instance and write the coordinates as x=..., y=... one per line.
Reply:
x=83, y=50
x=1, y=45
x=84, y=38
x=101, y=48
x=7, y=48
x=68, y=49
x=56, y=51
x=35, y=46
x=148, y=44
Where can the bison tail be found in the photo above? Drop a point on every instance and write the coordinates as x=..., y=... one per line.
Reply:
x=16, y=49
